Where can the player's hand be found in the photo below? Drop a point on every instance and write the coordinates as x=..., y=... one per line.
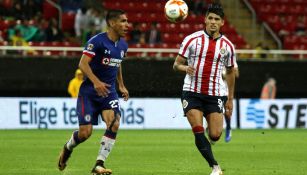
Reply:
x=124, y=91
x=190, y=70
x=228, y=108
x=102, y=88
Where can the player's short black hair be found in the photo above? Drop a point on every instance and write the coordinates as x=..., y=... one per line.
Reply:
x=113, y=14
x=215, y=8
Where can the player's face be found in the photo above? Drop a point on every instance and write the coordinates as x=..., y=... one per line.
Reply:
x=121, y=25
x=213, y=23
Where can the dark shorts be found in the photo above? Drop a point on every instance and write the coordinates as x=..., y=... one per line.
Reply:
x=206, y=103
x=89, y=107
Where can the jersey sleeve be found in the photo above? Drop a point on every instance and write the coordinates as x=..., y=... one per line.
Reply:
x=185, y=47
x=91, y=47
x=232, y=59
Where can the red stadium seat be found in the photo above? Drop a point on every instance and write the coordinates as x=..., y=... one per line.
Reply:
x=290, y=41
x=279, y=9
x=149, y=11
x=303, y=39
x=68, y=21
x=285, y=1
x=271, y=10
x=297, y=10
x=49, y=11
x=4, y=25
x=8, y=4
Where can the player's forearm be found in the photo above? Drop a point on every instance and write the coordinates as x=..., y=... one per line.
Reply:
x=230, y=78
x=180, y=67
x=119, y=78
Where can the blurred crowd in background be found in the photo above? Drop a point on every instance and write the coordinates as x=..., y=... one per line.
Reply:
x=36, y=22
x=24, y=20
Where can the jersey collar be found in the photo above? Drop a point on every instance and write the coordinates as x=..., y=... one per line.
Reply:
x=113, y=43
x=210, y=37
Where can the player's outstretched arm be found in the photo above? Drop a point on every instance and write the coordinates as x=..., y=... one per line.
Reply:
x=179, y=65
x=100, y=87
x=121, y=86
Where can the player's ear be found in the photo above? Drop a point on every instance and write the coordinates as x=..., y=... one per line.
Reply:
x=222, y=22
x=112, y=23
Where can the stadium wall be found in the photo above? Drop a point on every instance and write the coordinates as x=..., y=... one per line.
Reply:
x=49, y=77
x=149, y=113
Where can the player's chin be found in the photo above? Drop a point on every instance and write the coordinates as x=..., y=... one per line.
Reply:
x=213, y=29
x=123, y=33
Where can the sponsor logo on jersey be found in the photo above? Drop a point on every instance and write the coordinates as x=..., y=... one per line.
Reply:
x=107, y=51
x=106, y=61
x=111, y=62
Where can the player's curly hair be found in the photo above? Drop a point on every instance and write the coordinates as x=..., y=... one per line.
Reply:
x=216, y=8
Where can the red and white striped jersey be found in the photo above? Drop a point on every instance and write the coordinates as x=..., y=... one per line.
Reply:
x=224, y=80
x=208, y=56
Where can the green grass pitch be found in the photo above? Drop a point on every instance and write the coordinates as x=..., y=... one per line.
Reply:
x=156, y=152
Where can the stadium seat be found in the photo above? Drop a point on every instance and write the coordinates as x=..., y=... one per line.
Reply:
x=68, y=21
x=49, y=11
x=8, y=4
x=149, y=11
x=271, y=10
x=145, y=12
x=4, y=25
x=290, y=41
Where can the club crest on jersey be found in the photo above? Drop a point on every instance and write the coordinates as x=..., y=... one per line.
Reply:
x=90, y=47
x=122, y=54
x=223, y=52
x=185, y=104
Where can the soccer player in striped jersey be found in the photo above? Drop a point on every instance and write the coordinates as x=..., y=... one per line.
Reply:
x=202, y=56
x=101, y=63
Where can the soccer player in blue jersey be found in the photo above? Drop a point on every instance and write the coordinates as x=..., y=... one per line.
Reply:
x=101, y=63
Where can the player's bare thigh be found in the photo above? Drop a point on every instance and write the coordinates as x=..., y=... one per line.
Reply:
x=195, y=117
x=111, y=119
x=215, y=125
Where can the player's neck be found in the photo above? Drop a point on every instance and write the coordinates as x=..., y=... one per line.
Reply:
x=214, y=35
x=113, y=36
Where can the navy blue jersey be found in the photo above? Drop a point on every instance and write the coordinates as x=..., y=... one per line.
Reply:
x=107, y=56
